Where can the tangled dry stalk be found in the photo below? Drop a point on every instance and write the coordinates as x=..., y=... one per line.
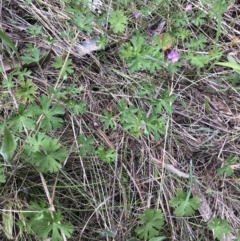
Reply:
x=204, y=128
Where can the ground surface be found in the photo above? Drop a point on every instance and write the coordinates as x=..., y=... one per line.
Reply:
x=104, y=200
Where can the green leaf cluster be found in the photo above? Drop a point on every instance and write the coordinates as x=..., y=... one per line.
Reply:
x=198, y=19
x=65, y=67
x=44, y=153
x=84, y=23
x=50, y=113
x=163, y=103
x=27, y=91
x=184, y=206
x=141, y=55
x=198, y=60
x=107, y=155
x=118, y=21
x=108, y=120
x=219, y=227
x=44, y=224
x=198, y=44
x=23, y=117
x=86, y=145
x=137, y=122
x=32, y=55
x=227, y=169
x=152, y=221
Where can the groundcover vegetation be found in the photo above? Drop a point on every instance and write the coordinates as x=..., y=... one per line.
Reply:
x=120, y=120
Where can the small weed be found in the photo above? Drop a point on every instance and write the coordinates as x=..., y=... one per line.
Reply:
x=219, y=227
x=38, y=220
x=152, y=222
x=107, y=156
x=184, y=206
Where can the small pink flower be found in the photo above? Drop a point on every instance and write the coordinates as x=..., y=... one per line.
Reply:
x=173, y=56
x=188, y=7
x=136, y=14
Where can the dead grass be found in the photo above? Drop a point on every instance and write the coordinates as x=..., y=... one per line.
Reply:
x=95, y=196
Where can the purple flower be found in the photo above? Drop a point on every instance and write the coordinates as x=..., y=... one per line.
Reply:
x=136, y=14
x=188, y=7
x=173, y=56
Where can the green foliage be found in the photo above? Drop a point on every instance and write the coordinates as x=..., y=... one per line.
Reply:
x=32, y=55
x=179, y=19
x=77, y=107
x=68, y=33
x=44, y=153
x=108, y=120
x=182, y=33
x=86, y=145
x=184, y=206
x=133, y=239
x=7, y=82
x=146, y=88
x=234, y=66
x=2, y=175
x=155, y=125
x=49, y=113
x=163, y=103
x=166, y=40
x=227, y=169
x=108, y=155
x=137, y=122
x=118, y=21
x=198, y=44
x=8, y=43
x=71, y=90
x=237, y=238
x=198, y=60
x=43, y=223
x=83, y=23
x=34, y=30
x=8, y=220
x=219, y=227
x=22, y=74
x=77, y=6
x=152, y=221
x=8, y=145
x=101, y=41
x=198, y=20
x=133, y=122
x=65, y=67
x=22, y=118
x=141, y=55
x=27, y=91
x=143, y=114
x=158, y=238
x=218, y=8
x=125, y=2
